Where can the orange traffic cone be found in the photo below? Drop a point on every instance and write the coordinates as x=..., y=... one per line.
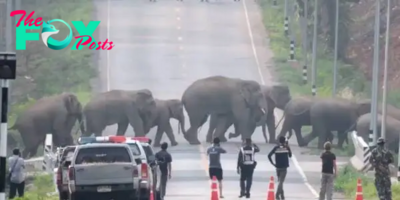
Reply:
x=214, y=189
x=151, y=194
x=359, y=193
x=271, y=189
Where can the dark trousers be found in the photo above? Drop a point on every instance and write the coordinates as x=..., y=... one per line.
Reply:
x=246, y=178
x=16, y=187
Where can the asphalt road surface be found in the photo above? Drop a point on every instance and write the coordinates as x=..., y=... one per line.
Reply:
x=165, y=46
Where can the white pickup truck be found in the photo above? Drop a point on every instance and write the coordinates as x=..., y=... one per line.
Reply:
x=103, y=171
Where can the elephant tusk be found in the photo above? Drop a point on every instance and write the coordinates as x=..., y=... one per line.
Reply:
x=263, y=110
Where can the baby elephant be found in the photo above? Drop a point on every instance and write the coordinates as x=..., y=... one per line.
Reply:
x=165, y=110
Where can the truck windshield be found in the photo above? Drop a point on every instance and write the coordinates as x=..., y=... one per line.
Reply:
x=102, y=155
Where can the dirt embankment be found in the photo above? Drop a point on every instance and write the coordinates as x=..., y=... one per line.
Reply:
x=360, y=50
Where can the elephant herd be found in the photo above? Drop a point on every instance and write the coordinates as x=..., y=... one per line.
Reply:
x=245, y=104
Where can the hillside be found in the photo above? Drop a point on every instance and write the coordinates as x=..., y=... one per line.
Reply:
x=360, y=49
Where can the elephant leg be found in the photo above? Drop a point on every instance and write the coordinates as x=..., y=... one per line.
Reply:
x=212, y=126
x=299, y=137
x=224, y=122
x=170, y=134
x=342, y=136
x=122, y=127
x=286, y=127
x=158, y=137
x=308, y=138
x=196, y=121
x=271, y=127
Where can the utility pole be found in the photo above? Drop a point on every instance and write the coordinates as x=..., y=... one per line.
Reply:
x=375, y=75
x=9, y=24
x=305, y=39
x=286, y=22
x=384, y=95
x=314, y=50
x=7, y=72
x=335, y=69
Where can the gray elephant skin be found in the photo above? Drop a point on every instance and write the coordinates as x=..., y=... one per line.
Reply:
x=277, y=96
x=392, y=130
x=334, y=115
x=56, y=115
x=221, y=95
x=296, y=115
x=121, y=107
x=165, y=110
x=219, y=123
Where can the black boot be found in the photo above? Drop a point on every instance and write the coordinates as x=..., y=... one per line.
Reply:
x=248, y=195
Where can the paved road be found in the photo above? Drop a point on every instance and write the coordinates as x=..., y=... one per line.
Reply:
x=165, y=46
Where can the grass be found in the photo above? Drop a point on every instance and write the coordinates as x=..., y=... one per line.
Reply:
x=41, y=187
x=346, y=183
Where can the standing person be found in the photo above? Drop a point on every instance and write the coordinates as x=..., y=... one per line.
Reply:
x=282, y=154
x=380, y=159
x=329, y=171
x=215, y=167
x=164, y=160
x=245, y=166
x=16, y=176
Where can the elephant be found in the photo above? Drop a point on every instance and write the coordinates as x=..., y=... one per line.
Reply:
x=297, y=114
x=334, y=115
x=165, y=110
x=56, y=115
x=277, y=96
x=221, y=95
x=221, y=122
x=122, y=107
x=392, y=130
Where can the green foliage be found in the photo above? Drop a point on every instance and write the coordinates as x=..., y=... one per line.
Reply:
x=45, y=72
x=346, y=182
x=42, y=186
x=348, y=78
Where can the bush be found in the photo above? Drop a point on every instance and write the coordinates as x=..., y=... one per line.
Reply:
x=42, y=187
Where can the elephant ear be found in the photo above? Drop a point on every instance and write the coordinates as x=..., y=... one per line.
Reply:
x=72, y=104
x=175, y=107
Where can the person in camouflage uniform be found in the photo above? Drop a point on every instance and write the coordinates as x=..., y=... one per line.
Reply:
x=380, y=159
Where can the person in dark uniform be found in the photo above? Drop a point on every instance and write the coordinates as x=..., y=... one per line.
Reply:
x=380, y=159
x=164, y=160
x=245, y=166
x=282, y=154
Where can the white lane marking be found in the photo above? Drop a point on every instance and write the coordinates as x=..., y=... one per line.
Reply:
x=180, y=38
x=108, y=52
x=178, y=18
x=295, y=162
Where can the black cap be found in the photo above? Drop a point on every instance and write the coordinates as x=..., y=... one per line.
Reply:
x=381, y=141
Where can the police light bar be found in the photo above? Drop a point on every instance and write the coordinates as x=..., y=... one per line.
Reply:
x=114, y=139
x=142, y=139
